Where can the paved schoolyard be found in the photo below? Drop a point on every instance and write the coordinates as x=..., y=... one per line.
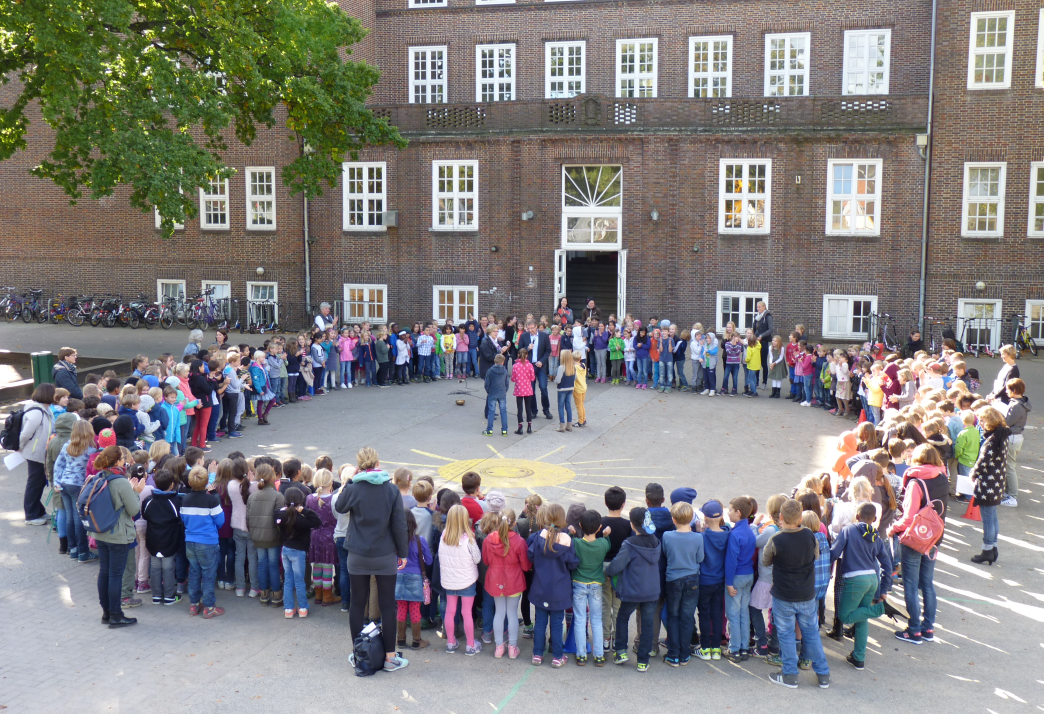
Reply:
x=56, y=655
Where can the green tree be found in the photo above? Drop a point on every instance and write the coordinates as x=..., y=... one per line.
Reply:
x=148, y=93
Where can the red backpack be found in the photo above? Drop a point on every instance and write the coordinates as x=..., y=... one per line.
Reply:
x=925, y=529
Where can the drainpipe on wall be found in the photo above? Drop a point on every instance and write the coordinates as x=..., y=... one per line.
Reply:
x=308, y=263
x=927, y=176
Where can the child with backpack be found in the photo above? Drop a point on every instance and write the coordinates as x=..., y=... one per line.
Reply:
x=164, y=536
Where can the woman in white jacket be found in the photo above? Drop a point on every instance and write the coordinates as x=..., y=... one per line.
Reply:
x=37, y=424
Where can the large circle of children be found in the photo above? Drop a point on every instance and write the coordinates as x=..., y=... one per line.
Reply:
x=265, y=528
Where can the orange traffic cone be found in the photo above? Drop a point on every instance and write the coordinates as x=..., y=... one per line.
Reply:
x=972, y=512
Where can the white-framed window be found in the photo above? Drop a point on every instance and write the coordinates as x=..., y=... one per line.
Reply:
x=564, y=69
x=710, y=66
x=170, y=289
x=853, y=197
x=365, y=303
x=982, y=211
x=262, y=307
x=786, y=64
x=425, y=3
x=213, y=206
x=867, y=61
x=1039, y=79
x=364, y=195
x=1035, y=320
x=1036, y=199
x=744, y=195
x=989, y=50
x=592, y=207
x=636, y=67
x=979, y=323
x=848, y=316
x=260, y=198
x=494, y=2
x=738, y=308
x=222, y=296
x=159, y=221
x=427, y=75
x=454, y=303
x=454, y=195
x=258, y=291
x=495, y=73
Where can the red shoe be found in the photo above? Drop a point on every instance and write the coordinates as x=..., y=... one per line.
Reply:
x=211, y=612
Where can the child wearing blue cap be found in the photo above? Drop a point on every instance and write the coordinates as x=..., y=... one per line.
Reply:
x=712, y=581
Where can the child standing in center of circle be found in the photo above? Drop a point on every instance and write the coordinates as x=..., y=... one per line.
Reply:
x=459, y=556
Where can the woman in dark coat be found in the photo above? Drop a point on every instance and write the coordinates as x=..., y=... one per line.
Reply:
x=988, y=479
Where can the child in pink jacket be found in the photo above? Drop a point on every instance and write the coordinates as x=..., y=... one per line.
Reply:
x=346, y=344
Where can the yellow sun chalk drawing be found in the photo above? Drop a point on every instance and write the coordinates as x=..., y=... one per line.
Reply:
x=434, y=456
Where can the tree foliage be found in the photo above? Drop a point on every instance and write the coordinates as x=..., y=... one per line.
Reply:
x=148, y=93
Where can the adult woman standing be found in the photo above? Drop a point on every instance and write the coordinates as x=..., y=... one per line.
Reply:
x=1010, y=370
x=763, y=330
x=377, y=546
x=924, y=482
x=563, y=314
x=37, y=423
x=988, y=476
x=112, y=545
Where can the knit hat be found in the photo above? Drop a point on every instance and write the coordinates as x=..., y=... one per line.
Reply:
x=496, y=501
x=103, y=408
x=100, y=424
x=685, y=493
x=107, y=437
x=712, y=509
x=147, y=403
x=173, y=381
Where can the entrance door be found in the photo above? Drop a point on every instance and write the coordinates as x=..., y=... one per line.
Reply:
x=592, y=274
x=561, y=256
x=621, y=286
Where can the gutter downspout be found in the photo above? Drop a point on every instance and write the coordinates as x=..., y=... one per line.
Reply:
x=927, y=176
x=308, y=262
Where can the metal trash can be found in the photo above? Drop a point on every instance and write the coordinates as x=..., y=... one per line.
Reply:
x=43, y=367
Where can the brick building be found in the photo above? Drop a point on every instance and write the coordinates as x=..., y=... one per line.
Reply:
x=672, y=159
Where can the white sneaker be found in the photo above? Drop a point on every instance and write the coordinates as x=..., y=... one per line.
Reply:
x=253, y=593
x=1010, y=501
x=806, y=404
x=705, y=392
x=344, y=386
x=711, y=393
x=240, y=592
x=349, y=385
x=38, y=522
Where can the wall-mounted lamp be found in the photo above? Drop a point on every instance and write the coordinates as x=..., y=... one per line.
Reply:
x=493, y=249
x=655, y=215
x=980, y=286
x=260, y=271
x=695, y=249
x=527, y=215
x=922, y=145
x=390, y=219
x=797, y=180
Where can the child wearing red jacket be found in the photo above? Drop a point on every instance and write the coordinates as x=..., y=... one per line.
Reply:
x=504, y=553
x=790, y=355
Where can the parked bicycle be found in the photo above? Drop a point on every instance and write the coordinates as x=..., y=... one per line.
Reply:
x=1023, y=338
x=67, y=309
x=886, y=334
x=932, y=336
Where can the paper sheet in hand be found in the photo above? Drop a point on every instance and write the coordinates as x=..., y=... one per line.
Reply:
x=13, y=460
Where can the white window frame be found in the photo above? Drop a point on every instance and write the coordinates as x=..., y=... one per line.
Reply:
x=1036, y=198
x=367, y=303
x=594, y=213
x=787, y=73
x=854, y=196
x=1039, y=80
x=456, y=305
x=204, y=284
x=455, y=195
x=1030, y=304
x=995, y=327
x=421, y=4
x=637, y=75
x=369, y=210
x=159, y=221
x=204, y=197
x=549, y=47
x=250, y=316
x=711, y=75
x=863, y=37
x=847, y=333
x=966, y=199
x=743, y=196
x=250, y=196
x=1009, y=15
x=743, y=296
x=494, y=2
x=159, y=289
x=496, y=81
x=428, y=83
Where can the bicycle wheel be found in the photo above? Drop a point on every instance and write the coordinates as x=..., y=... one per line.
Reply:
x=75, y=317
x=132, y=319
x=43, y=314
x=110, y=319
x=27, y=314
x=95, y=317
x=150, y=318
x=166, y=320
x=12, y=312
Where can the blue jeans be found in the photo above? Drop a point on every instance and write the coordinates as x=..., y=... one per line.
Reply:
x=277, y=387
x=795, y=389
x=347, y=368
x=491, y=412
x=215, y=417
x=752, y=380
x=655, y=372
x=809, y=384
x=473, y=361
x=294, y=568
x=565, y=407
x=737, y=609
x=74, y=529
x=681, y=596
x=371, y=374
x=710, y=377
x=874, y=415
x=666, y=373
x=555, y=617
x=647, y=612
x=990, y=527
x=587, y=607
x=268, y=568
x=112, y=561
x=644, y=366
x=342, y=572
x=806, y=614
x=731, y=370
x=203, y=563
x=919, y=574
x=679, y=370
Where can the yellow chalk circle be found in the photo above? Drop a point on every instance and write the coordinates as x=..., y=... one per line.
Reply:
x=509, y=473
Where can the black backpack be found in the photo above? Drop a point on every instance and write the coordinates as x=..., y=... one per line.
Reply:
x=12, y=432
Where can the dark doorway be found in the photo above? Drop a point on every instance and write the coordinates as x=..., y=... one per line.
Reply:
x=592, y=274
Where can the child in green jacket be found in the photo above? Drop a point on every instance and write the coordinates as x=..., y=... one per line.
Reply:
x=616, y=353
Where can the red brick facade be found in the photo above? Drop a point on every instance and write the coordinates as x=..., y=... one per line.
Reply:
x=668, y=147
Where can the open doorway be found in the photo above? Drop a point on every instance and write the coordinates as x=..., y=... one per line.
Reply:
x=598, y=274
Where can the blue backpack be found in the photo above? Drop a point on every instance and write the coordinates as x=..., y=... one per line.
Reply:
x=95, y=504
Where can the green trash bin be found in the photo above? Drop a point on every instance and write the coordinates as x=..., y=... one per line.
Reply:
x=43, y=366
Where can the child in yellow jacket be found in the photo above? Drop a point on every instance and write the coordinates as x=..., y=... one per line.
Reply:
x=580, y=388
x=753, y=366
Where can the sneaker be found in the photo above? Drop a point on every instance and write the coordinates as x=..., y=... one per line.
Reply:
x=172, y=600
x=302, y=612
x=858, y=664
x=643, y=666
x=143, y=588
x=538, y=660
x=712, y=393
x=776, y=660
x=787, y=680
x=705, y=655
x=914, y=638
x=253, y=593
x=716, y=653
x=621, y=657
x=487, y=637
x=235, y=435
x=240, y=592
x=194, y=609
x=581, y=660
x=599, y=661
x=607, y=645
x=207, y=449
x=131, y=602
x=288, y=613
x=732, y=656
x=527, y=632
x=671, y=661
x=181, y=588
x=760, y=652
x=805, y=664
x=499, y=651
x=38, y=521
x=705, y=392
x=1009, y=501
x=927, y=634
x=220, y=434
x=157, y=600
x=806, y=404
x=513, y=652
x=487, y=432
x=824, y=680
x=452, y=647
x=471, y=651
x=212, y=612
